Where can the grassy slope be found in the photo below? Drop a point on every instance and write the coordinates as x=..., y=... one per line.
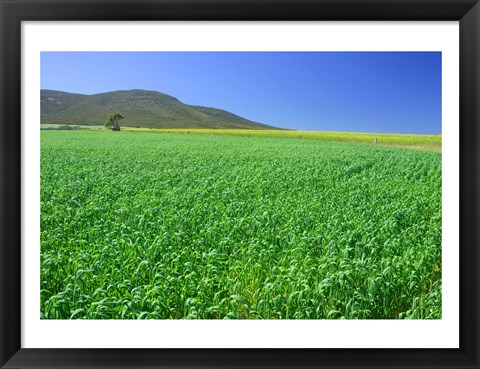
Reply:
x=140, y=108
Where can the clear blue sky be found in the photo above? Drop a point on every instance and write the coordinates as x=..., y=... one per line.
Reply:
x=389, y=92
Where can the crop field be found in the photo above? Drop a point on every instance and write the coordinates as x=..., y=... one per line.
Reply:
x=138, y=225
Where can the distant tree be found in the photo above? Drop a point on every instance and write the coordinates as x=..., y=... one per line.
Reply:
x=113, y=121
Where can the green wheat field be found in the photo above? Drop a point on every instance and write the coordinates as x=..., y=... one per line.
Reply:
x=223, y=224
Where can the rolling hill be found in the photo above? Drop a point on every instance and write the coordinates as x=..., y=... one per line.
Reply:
x=140, y=108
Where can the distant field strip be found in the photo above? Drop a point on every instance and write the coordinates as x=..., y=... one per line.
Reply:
x=419, y=142
x=187, y=226
x=408, y=140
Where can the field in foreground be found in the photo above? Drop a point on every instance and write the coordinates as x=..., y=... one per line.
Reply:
x=141, y=225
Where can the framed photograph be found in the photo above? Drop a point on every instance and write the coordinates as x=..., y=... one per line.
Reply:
x=240, y=184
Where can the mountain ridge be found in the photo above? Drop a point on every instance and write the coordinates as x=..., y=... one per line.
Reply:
x=141, y=108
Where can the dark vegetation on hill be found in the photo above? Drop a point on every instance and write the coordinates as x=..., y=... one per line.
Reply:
x=141, y=108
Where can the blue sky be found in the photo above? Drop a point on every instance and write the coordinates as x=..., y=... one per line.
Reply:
x=383, y=92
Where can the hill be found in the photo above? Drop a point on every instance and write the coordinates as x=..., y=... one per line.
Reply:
x=141, y=108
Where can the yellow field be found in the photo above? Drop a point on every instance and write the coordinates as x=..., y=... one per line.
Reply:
x=411, y=141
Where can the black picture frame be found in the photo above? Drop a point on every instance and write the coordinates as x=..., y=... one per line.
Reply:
x=13, y=12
